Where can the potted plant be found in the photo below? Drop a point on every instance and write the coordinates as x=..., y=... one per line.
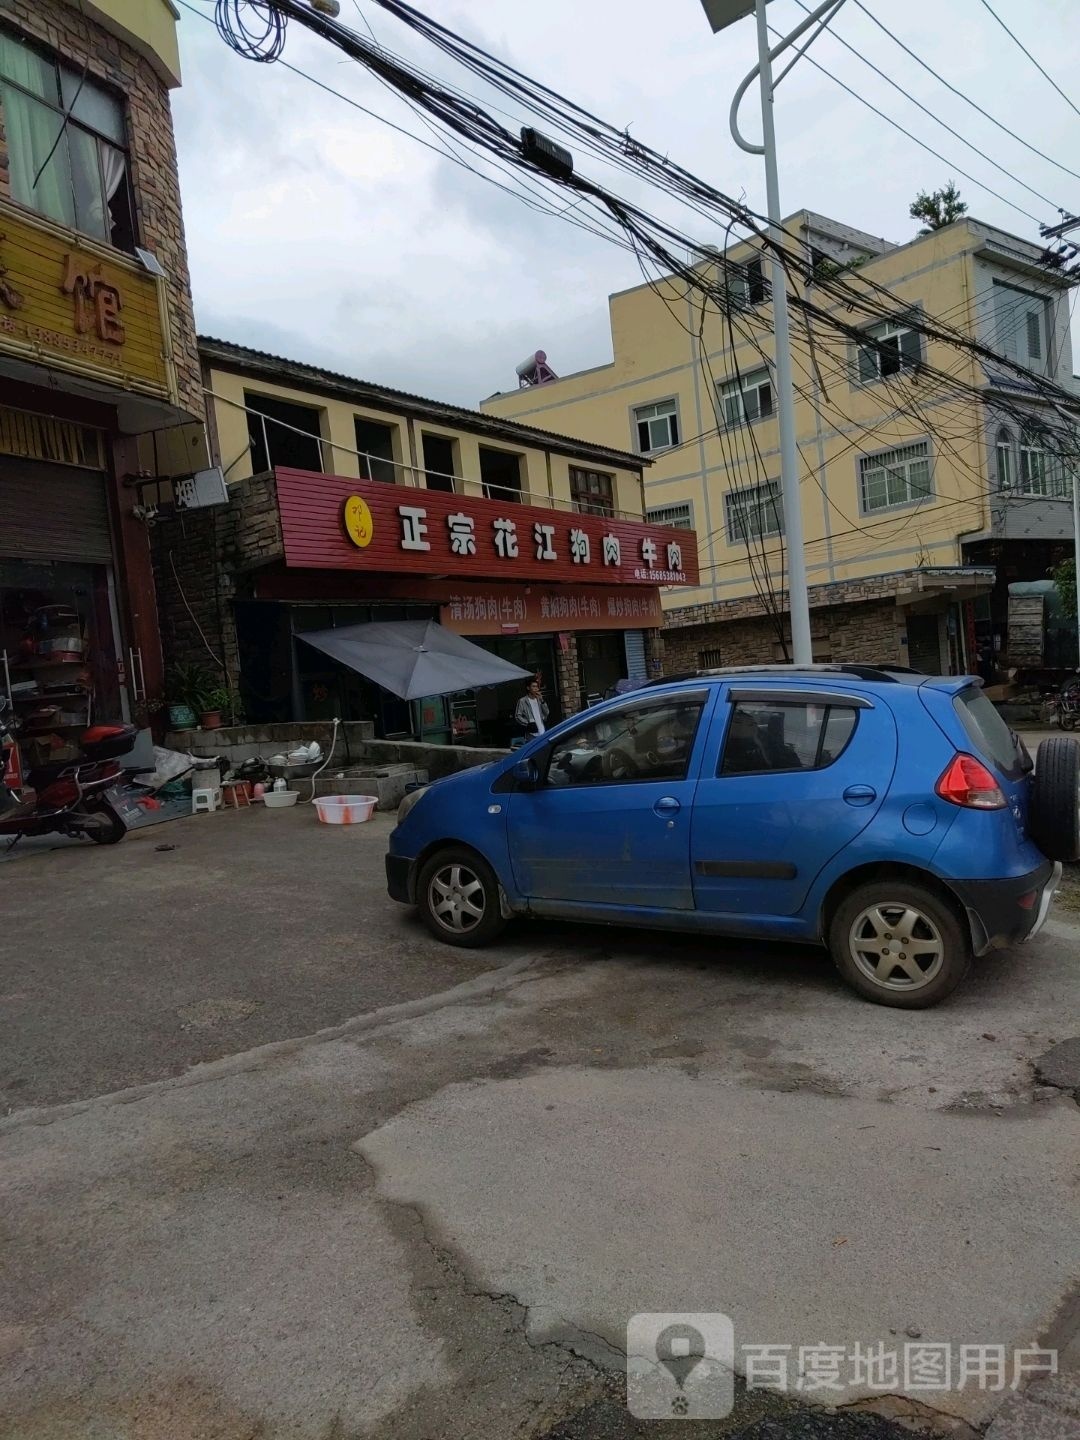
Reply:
x=214, y=702
x=188, y=687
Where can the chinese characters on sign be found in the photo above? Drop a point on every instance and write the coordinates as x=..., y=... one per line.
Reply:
x=97, y=302
x=547, y=536
x=536, y=608
x=463, y=537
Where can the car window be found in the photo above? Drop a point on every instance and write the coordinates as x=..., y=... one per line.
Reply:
x=766, y=735
x=647, y=742
x=987, y=731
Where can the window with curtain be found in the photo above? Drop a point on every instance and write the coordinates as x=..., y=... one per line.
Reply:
x=1004, y=452
x=67, y=144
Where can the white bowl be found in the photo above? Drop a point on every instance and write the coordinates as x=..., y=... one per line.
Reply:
x=280, y=799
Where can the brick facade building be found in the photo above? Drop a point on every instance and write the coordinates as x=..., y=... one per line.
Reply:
x=101, y=386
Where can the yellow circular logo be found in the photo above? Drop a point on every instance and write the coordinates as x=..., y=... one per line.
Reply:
x=359, y=526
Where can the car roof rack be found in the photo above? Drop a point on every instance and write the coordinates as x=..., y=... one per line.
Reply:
x=890, y=674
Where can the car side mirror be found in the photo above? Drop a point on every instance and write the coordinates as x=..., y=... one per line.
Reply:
x=526, y=775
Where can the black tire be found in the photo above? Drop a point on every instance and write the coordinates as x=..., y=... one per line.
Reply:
x=937, y=947
x=1054, y=816
x=454, y=875
x=112, y=829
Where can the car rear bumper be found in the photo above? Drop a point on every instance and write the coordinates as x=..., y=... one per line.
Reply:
x=399, y=879
x=1005, y=911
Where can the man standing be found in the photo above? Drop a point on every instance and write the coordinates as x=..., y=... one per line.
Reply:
x=531, y=710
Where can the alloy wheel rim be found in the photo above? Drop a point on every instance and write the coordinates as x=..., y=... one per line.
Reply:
x=896, y=946
x=456, y=897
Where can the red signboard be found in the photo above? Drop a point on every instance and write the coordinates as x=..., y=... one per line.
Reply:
x=330, y=522
x=537, y=609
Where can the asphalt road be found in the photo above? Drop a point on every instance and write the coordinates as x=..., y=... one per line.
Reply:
x=279, y=1166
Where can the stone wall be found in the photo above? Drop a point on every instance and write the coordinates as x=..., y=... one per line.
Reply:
x=68, y=32
x=200, y=560
x=568, y=676
x=871, y=632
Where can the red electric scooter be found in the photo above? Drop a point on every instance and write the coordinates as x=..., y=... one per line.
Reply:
x=68, y=797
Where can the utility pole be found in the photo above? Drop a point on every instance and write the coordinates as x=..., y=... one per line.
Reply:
x=1076, y=552
x=720, y=14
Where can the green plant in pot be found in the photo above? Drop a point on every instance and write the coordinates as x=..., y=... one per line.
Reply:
x=216, y=701
x=187, y=689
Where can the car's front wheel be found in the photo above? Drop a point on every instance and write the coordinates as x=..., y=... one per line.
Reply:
x=458, y=896
x=898, y=943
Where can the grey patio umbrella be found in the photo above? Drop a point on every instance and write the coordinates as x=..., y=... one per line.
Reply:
x=413, y=658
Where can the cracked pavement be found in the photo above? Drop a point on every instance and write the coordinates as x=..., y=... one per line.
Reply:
x=380, y=1188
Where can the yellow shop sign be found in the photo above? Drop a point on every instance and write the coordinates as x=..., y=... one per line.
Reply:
x=74, y=305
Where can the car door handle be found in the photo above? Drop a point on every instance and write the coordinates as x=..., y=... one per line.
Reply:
x=666, y=806
x=860, y=794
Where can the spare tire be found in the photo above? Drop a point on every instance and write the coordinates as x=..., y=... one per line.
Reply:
x=1054, y=820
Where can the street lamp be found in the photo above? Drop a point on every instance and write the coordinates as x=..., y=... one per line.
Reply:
x=720, y=14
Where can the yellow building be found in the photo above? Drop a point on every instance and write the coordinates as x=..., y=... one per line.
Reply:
x=351, y=503
x=914, y=487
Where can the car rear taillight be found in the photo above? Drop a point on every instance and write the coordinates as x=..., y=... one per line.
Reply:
x=968, y=782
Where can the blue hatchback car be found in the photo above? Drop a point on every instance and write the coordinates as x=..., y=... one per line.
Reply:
x=891, y=816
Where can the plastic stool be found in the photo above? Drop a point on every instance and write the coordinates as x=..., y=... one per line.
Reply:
x=202, y=799
x=237, y=790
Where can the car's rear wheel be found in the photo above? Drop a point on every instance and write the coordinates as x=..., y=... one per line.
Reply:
x=898, y=943
x=458, y=896
x=1054, y=816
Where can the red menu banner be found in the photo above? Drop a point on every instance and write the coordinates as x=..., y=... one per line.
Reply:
x=535, y=609
x=330, y=522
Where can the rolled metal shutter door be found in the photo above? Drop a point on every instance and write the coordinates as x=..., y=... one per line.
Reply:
x=634, y=645
x=53, y=512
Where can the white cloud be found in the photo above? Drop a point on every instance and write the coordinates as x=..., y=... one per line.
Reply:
x=317, y=232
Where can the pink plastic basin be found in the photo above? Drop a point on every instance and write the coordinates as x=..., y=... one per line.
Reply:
x=345, y=809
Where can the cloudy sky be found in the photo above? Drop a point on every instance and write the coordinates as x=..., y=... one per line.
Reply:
x=318, y=232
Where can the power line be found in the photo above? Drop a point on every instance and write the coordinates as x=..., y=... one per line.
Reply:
x=922, y=143
x=1049, y=79
x=966, y=98
x=933, y=116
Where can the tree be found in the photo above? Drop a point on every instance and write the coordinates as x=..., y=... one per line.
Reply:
x=1064, y=577
x=937, y=209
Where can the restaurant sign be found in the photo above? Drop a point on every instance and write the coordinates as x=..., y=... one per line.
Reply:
x=426, y=532
x=77, y=306
x=538, y=609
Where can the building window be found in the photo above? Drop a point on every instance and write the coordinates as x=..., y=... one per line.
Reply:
x=66, y=143
x=281, y=433
x=1003, y=454
x=895, y=347
x=657, y=426
x=895, y=477
x=754, y=512
x=376, y=445
x=1020, y=330
x=591, y=492
x=679, y=516
x=1040, y=471
x=748, y=398
x=710, y=659
x=746, y=285
x=440, y=462
x=500, y=472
